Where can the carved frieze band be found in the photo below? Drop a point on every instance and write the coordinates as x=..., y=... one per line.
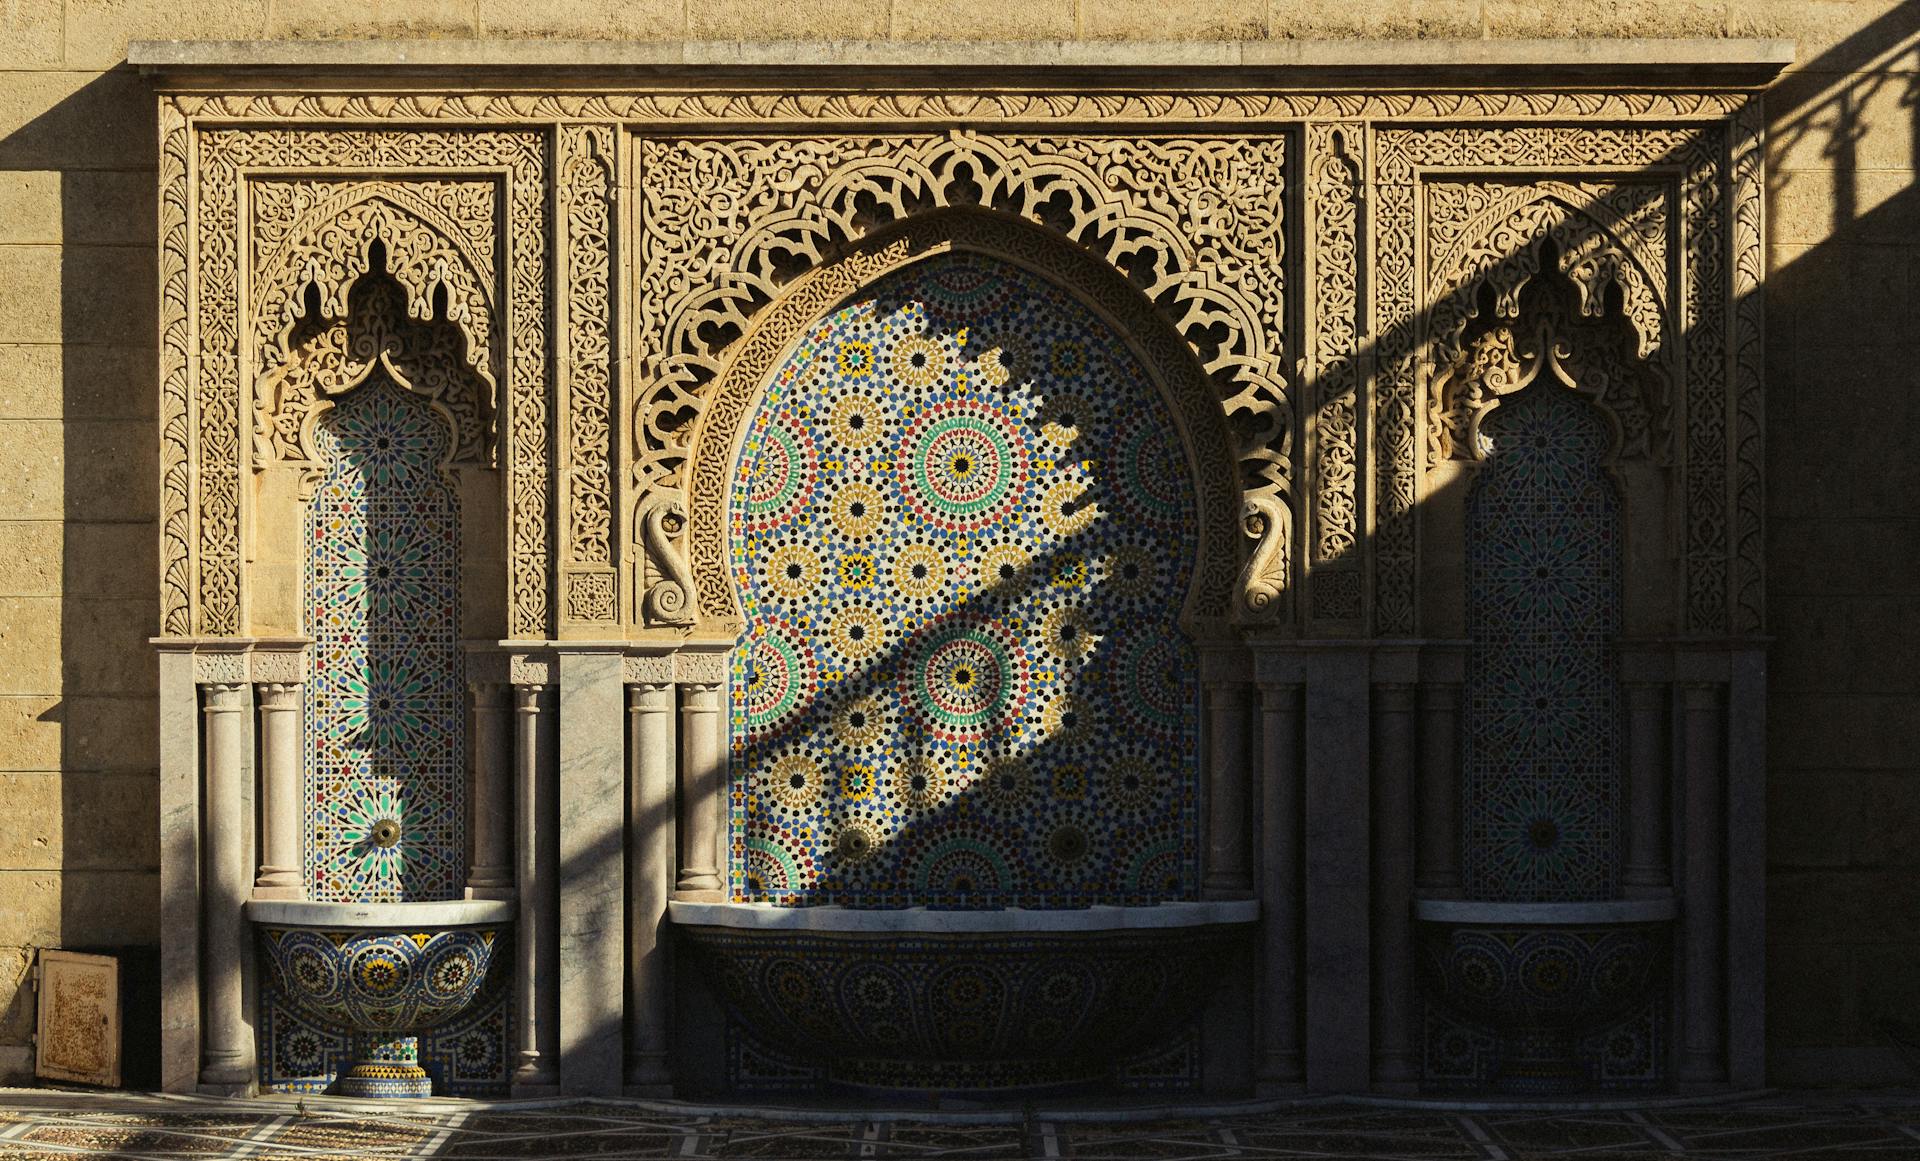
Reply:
x=881, y=104
x=432, y=218
x=1336, y=173
x=586, y=177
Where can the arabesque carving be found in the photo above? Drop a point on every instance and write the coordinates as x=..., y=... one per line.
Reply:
x=1196, y=224
x=1335, y=180
x=425, y=211
x=1484, y=230
x=586, y=192
x=327, y=357
x=1547, y=332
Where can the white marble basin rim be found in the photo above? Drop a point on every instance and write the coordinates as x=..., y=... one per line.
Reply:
x=1543, y=914
x=768, y=917
x=407, y=916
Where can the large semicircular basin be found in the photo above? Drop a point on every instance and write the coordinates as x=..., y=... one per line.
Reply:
x=997, y=1000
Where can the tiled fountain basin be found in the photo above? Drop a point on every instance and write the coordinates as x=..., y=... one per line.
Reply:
x=1542, y=975
x=382, y=972
x=974, y=1001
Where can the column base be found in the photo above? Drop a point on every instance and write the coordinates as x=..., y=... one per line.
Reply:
x=519, y=1089
x=211, y=1088
x=508, y=892
x=648, y=1091
x=700, y=894
x=294, y=893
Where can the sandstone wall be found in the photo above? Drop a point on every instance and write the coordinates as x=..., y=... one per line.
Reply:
x=78, y=822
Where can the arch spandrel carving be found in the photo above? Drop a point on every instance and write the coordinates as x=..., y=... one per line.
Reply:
x=1221, y=590
x=1609, y=245
x=1197, y=225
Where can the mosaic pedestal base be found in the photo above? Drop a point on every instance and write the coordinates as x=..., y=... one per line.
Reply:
x=384, y=1067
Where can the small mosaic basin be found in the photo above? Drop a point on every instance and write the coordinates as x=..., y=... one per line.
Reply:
x=914, y=998
x=383, y=972
x=1542, y=974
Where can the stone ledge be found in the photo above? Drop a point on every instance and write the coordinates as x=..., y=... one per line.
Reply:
x=1676, y=63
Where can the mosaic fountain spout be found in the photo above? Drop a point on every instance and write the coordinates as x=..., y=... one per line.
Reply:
x=385, y=972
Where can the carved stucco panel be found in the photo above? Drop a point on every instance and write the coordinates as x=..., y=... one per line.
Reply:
x=1407, y=234
x=1197, y=225
x=221, y=237
x=1335, y=177
x=586, y=179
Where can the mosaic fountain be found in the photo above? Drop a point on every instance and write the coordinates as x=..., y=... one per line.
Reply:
x=1240, y=585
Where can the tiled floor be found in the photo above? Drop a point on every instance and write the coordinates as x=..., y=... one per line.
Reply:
x=40, y=1124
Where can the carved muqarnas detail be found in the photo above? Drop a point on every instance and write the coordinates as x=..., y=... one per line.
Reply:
x=1545, y=325
x=328, y=357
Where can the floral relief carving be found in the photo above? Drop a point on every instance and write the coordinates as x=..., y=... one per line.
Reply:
x=1196, y=225
x=432, y=240
x=726, y=227
x=586, y=190
x=328, y=357
x=1617, y=247
x=1487, y=245
x=1335, y=181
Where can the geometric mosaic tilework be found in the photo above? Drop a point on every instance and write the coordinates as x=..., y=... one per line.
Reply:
x=1541, y=784
x=962, y=527
x=385, y=722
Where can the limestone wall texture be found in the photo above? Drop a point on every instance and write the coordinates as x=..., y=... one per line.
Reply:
x=78, y=803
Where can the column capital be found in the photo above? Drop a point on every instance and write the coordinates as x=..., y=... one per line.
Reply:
x=225, y=695
x=279, y=695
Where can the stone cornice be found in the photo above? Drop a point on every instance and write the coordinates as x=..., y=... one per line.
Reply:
x=1282, y=65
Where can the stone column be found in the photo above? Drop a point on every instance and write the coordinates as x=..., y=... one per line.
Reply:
x=227, y=1043
x=592, y=834
x=1703, y=1031
x=1437, y=858
x=181, y=795
x=281, y=812
x=1393, y=756
x=1647, y=871
x=1228, y=834
x=650, y=752
x=535, y=1072
x=703, y=790
x=1279, y=1068
x=490, y=867
x=1335, y=829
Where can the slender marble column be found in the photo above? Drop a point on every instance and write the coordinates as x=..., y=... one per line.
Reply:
x=650, y=752
x=490, y=869
x=1703, y=1044
x=1280, y=885
x=1393, y=757
x=536, y=1069
x=1228, y=834
x=227, y=1049
x=703, y=790
x=593, y=873
x=1647, y=871
x=1437, y=866
x=279, y=876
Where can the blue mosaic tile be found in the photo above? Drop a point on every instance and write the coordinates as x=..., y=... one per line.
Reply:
x=1541, y=769
x=384, y=712
x=962, y=529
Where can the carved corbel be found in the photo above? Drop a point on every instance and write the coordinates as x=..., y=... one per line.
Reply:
x=669, y=584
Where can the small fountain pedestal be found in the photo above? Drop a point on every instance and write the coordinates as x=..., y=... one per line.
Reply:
x=383, y=972
x=1542, y=976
